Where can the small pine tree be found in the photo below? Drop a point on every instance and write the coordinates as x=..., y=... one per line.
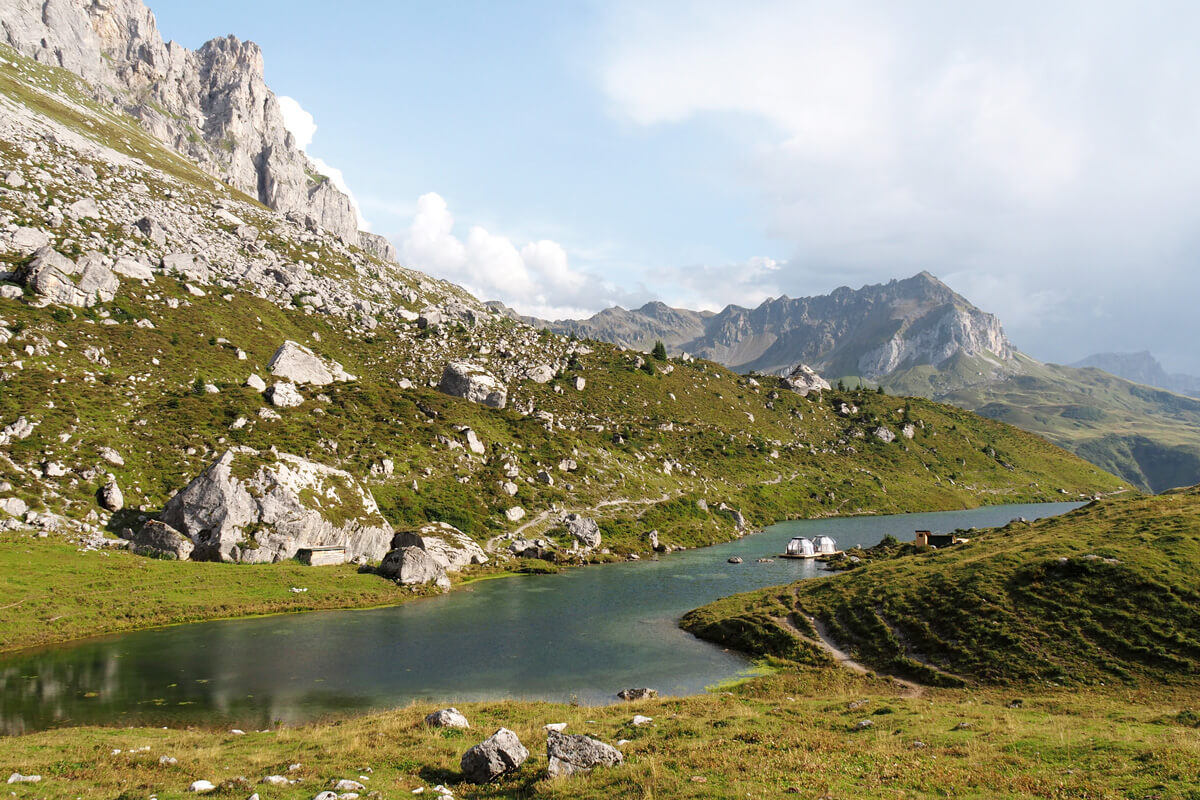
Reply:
x=660, y=351
x=879, y=389
x=647, y=368
x=841, y=387
x=198, y=385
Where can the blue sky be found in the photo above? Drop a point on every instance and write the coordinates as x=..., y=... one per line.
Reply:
x=565, y=156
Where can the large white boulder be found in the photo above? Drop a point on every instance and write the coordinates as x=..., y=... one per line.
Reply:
x=296, y=363
x=474, y=383
x=246, y=507
x=804, y=379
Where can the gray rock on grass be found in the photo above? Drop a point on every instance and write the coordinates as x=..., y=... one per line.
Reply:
x=494, y=757
x=447, y=718
x=570, y=754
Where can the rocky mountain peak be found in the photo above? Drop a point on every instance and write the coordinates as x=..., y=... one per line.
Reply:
x=212, y=105
x=870, y=332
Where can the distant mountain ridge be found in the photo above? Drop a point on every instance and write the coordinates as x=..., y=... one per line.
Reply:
x=1142, y=367
x=919, y=337
x=869, y=332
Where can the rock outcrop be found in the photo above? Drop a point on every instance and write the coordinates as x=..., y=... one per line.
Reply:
x=212, y=104
x=446, y=544
x=583, y=530
x=248, y=509
x=804, y=379
x=474, y=383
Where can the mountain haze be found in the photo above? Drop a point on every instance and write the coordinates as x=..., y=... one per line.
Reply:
x=1142, y=367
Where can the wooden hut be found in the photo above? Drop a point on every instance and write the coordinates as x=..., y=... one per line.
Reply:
x=322, y=556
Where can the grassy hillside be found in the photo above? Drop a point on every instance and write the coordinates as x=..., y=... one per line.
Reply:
x=1108, y=593
x=1149, y=436
x=793, y=734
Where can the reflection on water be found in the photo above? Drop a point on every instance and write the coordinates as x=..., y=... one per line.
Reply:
x=582, y=634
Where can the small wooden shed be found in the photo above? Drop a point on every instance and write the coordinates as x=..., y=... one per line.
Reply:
x=322, y=556
x=929, y=539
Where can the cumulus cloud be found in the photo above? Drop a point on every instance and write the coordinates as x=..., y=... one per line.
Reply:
x=303, y=127
x=535, y=278
x=1042, y=155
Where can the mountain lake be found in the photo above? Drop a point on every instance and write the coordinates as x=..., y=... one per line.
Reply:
x=579, y=635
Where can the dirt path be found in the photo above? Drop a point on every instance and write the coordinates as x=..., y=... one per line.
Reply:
x=826, y=643
x=544, y=515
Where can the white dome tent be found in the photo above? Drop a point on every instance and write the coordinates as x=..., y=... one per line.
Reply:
x=825, y=545
x=800, y=547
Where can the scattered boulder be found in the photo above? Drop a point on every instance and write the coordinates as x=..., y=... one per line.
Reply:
x=83, y=208
x=804, y=379
x=152, y=231
x=160, y=540
x=202, y=786
x=27, y=240
x=908, y=431
x=256, y=383
x=285, y=395
x=17, y=777
x=515, y=514
x=638, y=694
x=583, y=530
x=734, y=559
x=13, y=506
x=498, y=755
x=473, y=383
x=48, y=274
x=884, y=435
x=110, y=496
x=412, y=566
x=540, y=373
x=570, y=754
x=446, y=544
x=188, y=266
x=283, y=506
x=474, y=444
x=298, y=364
x=447, y=718
x=96, y=280
x=640, y=720
x=132, y=268
x=346, y=785
x=15, y=431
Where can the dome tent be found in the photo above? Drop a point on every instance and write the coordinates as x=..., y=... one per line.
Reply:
x=800, y=546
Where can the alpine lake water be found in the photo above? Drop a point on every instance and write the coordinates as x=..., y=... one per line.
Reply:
x=580, y=635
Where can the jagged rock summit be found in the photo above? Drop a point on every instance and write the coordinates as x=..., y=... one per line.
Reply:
x=212, y=104
x=869, y=332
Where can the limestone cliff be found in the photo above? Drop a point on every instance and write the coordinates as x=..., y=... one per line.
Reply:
x=211, y=104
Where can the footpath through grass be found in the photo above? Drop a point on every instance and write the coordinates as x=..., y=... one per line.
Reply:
x=793, y=733
x=1107, y=593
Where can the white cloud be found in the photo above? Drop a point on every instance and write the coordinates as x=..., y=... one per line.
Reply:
x=1042, y=154
x=535, y=278
x=301, y=125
